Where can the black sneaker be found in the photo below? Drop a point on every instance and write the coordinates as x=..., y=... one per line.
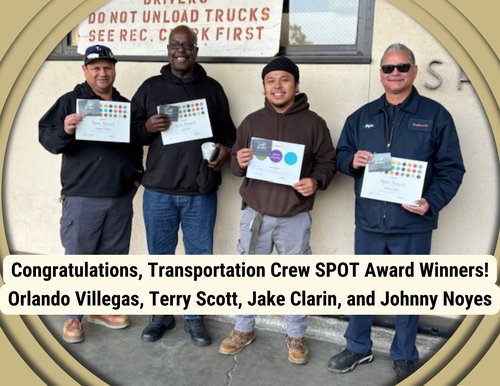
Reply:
x=198, y=331
x=347, y=360
x=403, y=369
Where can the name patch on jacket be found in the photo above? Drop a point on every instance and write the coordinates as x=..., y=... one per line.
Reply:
x=420, y=124
x=368, y=126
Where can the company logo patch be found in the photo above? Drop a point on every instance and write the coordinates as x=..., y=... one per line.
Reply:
x=420, y=124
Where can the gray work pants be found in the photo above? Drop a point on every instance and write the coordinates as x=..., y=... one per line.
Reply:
x=290, y=236
x=96, y=226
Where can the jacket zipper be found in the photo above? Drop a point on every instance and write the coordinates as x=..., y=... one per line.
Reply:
x=388, y=143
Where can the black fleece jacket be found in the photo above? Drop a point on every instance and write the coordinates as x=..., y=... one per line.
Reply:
x=89, y=168
x=174, y=168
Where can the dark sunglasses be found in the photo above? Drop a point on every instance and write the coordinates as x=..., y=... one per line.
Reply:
x=389, y=68
x=186, y=45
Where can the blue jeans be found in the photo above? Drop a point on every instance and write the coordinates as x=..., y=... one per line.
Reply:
x=163, y=213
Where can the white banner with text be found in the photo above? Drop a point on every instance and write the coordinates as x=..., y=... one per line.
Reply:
x=261, y=284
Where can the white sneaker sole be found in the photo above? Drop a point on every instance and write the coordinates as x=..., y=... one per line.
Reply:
x=73, y=340
x=362, y=361
x=101, y=322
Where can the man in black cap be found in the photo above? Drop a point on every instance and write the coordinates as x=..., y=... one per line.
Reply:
x=99, y=179
x=278, y=215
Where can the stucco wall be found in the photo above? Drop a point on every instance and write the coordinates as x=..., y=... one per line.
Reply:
x=467, y=226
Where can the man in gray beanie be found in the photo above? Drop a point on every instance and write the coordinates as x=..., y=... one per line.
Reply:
x=278, y=214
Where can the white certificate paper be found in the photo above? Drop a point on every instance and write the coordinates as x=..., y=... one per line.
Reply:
x=192, y=122
x=402, y=184
x=275, y=161
x=104, y=121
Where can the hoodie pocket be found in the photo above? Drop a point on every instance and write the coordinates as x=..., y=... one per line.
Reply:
x=208, y=180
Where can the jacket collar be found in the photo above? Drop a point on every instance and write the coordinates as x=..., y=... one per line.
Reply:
x=409, y=105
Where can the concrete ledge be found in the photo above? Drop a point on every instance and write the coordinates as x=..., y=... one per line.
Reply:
x=332, y=330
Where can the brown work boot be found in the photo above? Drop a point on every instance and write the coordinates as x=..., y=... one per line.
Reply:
x=109, y=321
x=298, y=353
x=235, y=342
x=72, y=331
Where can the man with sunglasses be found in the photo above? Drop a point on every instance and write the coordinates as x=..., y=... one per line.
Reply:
x=99, y=179
x=401, y=123
x=181, y=187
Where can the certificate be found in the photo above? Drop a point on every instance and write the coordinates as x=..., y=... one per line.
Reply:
x=104, y=121
x=275, y=161
x=189, y=121
x=402, y=184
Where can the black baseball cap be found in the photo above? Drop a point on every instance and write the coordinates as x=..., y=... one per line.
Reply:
x=98, y=52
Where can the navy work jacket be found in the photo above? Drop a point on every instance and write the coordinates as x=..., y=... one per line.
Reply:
x=419, y=129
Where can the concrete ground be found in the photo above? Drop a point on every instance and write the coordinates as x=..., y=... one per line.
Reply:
x=120, y=357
